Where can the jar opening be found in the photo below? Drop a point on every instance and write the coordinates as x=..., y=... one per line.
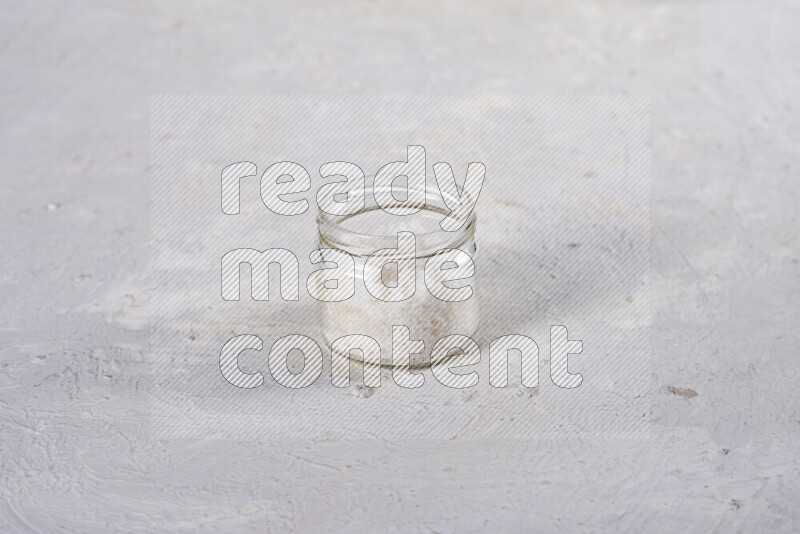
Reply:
x=372, y=228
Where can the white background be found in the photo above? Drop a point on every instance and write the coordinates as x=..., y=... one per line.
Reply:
x=75, y=90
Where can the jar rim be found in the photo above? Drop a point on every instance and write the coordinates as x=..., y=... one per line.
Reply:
x=332, y=232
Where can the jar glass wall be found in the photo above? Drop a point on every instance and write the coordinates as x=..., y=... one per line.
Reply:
x=427, y=317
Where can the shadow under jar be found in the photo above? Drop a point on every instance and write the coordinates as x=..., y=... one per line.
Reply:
x=427, y=317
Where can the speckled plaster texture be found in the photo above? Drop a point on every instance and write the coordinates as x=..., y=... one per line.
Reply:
x=722, y=451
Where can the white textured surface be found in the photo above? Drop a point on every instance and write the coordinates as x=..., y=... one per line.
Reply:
x=75, y=140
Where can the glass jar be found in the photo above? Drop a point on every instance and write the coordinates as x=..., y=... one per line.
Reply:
x=427, y=317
